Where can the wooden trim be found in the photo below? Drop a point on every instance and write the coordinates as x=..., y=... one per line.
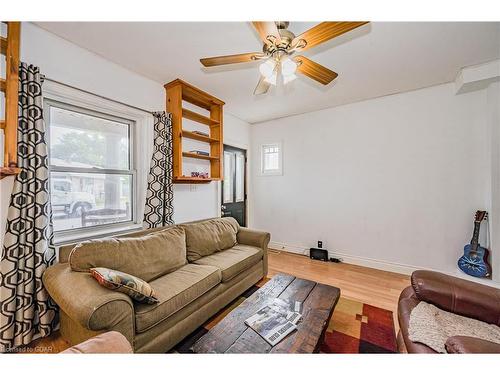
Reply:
x=3, y=85
x=2, y=125
x=196, y=156
x=191, y=88
x=5, y=172
x=190, y=115
x=198, y=137
x=192, y=180
x=11, y=92
x=174, y=106
x=216, y=149
x=3, y=45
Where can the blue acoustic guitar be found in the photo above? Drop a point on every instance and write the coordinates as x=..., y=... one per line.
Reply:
x=474, y=262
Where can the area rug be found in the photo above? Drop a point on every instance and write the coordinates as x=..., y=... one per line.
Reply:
x=355, y=327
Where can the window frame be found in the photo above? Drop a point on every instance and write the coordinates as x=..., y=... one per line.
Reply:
x=271, y=172
x=86, y=232
x=228, y=178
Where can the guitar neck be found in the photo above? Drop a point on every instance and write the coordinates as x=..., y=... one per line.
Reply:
x=475, y=236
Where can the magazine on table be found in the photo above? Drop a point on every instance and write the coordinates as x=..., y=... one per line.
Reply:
x=274, y=322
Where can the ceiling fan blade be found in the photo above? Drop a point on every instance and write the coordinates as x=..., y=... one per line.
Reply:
x=314, y=70
x=262, y=87
x=323, y=32
x=268, y=32
x=231, y=59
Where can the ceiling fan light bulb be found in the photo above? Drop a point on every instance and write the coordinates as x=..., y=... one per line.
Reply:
x=288, y=67
x=267, y=68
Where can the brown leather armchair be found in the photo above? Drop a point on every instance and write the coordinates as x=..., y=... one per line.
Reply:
x=455, y=295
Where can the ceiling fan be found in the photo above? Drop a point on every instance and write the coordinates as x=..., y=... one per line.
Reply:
x=279, y=45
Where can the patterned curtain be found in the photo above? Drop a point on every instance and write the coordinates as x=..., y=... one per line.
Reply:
x=159, y=209
x=27, y=312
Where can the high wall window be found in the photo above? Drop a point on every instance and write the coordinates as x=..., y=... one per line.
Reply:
x=92, y=172
x=271, y=159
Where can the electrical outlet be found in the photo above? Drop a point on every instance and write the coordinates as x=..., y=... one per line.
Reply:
x=320, y=244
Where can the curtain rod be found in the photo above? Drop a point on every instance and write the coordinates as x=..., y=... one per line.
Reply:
x=99, y=96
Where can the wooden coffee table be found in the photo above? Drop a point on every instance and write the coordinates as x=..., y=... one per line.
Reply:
x=231, y=335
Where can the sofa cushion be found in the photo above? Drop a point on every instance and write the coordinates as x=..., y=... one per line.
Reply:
x=146, y=257
x=207, y=237
x=175, y=291
x=233, y=261
x=132, y=286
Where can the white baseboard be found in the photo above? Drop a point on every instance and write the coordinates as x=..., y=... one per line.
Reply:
x=350, y=259
x=288, y=248
x=404, y=269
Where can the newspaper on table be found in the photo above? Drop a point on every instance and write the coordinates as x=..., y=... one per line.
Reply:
x=274, y=322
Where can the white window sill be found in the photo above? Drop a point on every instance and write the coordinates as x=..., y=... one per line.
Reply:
x=68, y=238
x=272, y=172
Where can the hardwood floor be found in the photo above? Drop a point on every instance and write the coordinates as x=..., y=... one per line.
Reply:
x=367, y=285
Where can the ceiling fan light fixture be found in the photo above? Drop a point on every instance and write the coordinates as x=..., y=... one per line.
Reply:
x=267, y=68
x=279, y=44
x=288, y=67
x=272, y=79
x=288, y=78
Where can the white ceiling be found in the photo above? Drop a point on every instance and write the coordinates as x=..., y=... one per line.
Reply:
x=377, y=59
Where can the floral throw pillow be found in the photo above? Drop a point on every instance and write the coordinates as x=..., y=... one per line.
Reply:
x=136, y=288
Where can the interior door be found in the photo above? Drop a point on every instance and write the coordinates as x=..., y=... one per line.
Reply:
x=234, y=195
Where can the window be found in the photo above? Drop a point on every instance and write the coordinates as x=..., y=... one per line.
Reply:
x=91, y=162
x=271, y=159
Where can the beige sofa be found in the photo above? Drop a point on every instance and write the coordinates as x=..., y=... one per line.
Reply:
x=222, y=260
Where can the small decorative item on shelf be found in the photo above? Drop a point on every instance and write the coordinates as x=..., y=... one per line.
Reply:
x=197, y=152
x=201, y=133
x=200, y=174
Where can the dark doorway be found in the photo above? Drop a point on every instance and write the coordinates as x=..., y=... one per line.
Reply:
x=234, y=193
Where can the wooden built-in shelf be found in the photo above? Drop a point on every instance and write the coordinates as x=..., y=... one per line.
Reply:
x=192, y=180
x=3, y=45
x=9, y=46
x=6, y=171
x=198, y=137
x=190, y=115
x=177, y=92
x=197, y=156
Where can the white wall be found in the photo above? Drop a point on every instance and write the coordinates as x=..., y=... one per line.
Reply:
x=391, y=182
x=63, y=61
x=493, y=119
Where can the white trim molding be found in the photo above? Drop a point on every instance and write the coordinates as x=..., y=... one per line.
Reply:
x=477, y=77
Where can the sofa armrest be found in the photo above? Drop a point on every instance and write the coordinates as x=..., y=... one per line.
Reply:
x=470, y=345
x=457, y=295
x=86, y=302
x=252, y=237
x=255, y=238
